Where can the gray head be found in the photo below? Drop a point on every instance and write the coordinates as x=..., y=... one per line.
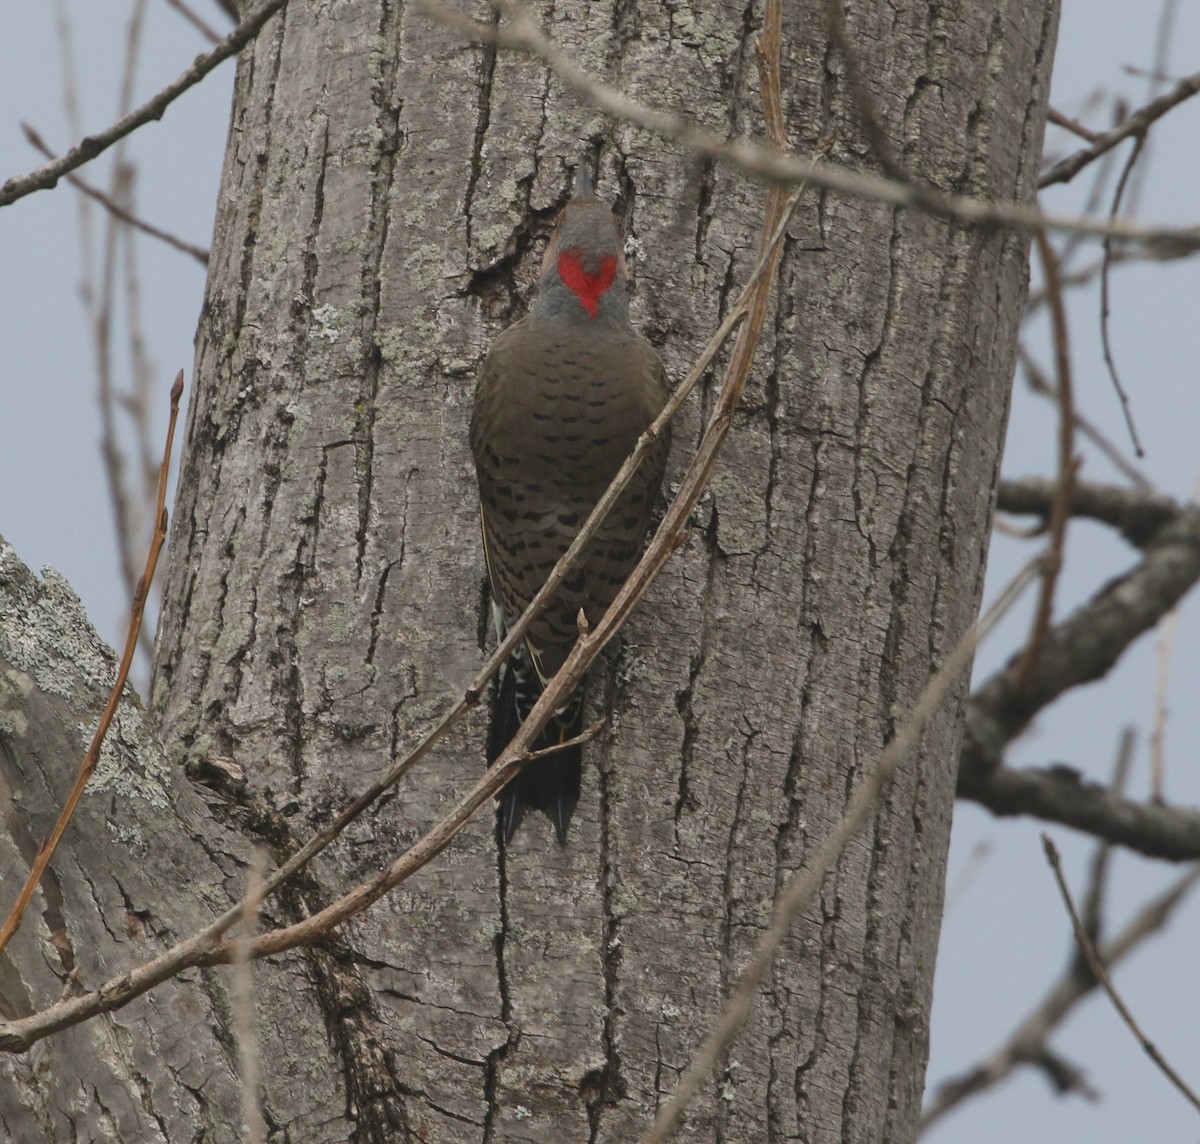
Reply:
x=583, y=273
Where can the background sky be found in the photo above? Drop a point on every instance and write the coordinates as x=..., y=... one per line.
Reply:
x=1005, y=939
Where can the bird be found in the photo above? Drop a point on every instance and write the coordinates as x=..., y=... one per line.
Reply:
x=560, y=401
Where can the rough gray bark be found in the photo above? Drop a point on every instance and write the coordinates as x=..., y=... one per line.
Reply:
x=142, y=865
x=384, y=196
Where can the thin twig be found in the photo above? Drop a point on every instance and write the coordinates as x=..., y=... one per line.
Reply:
x=1030, y=1036
x=1060, y=507
x=70, y=85
x=126, y=504
x=1085, y=274
x=114, y=208
x=1097, y=967
x=1066, y=169
x=1155, y=81
x=972, y=867
x=1164, y=655
x=1097, y=889
x=46, y=851
x=196, y=21
x=1040, y=385
x=138, y=402
x=1105, y=342
x=88, y=148
x=1072, y=125
x=1162, y=684
x=126, y=520
x=133, y=40
x=244, y=1025
x=584, y=736
x=1095, y=197
x=1092, y=914
x=771, y=165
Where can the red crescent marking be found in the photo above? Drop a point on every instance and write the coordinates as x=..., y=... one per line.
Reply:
x=587, y=287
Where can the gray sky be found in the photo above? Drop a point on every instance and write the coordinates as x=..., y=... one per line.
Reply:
x=1005, y=938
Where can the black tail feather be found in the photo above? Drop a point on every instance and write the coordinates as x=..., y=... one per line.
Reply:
x=550, y=785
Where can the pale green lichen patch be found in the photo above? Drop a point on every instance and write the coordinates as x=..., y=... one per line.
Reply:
x=160, y=691
x=495, y=239
x=624, y=903
x=424, y=258
x=408, y=344
x=341, y=622
x=124, y=769
x=326, y=327
x=127, y=836
x=423, y=711
x=209, y=633
x=301, y=414
x=369, y=141
x=349, y=243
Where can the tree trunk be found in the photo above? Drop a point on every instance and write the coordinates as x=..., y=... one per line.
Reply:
x=385, y=196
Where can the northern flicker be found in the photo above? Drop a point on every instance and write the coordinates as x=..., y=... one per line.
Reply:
x=561, y=400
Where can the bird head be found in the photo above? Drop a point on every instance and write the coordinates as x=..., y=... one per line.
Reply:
x=583, y=274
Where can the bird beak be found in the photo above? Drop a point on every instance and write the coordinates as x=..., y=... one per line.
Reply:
x=583, y=180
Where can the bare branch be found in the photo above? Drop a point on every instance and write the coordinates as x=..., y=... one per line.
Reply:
x=1097, y=888
x=114, y=208
x=1061, y=794
x=243, y=1004
x=1139, y=514
x=1029, y=1037
x=1065, y=170
x=1041, y=386
x=88, y=148
x=1130, y=166
x=196, y=21
x=1052, y=562
x=1078, y=650
x=1072, y=125
x=1097, y=967
x=762, y=162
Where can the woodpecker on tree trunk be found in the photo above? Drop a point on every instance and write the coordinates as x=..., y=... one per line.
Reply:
x=561, y=399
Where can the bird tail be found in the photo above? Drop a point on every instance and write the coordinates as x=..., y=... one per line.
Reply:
x=551, y=784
